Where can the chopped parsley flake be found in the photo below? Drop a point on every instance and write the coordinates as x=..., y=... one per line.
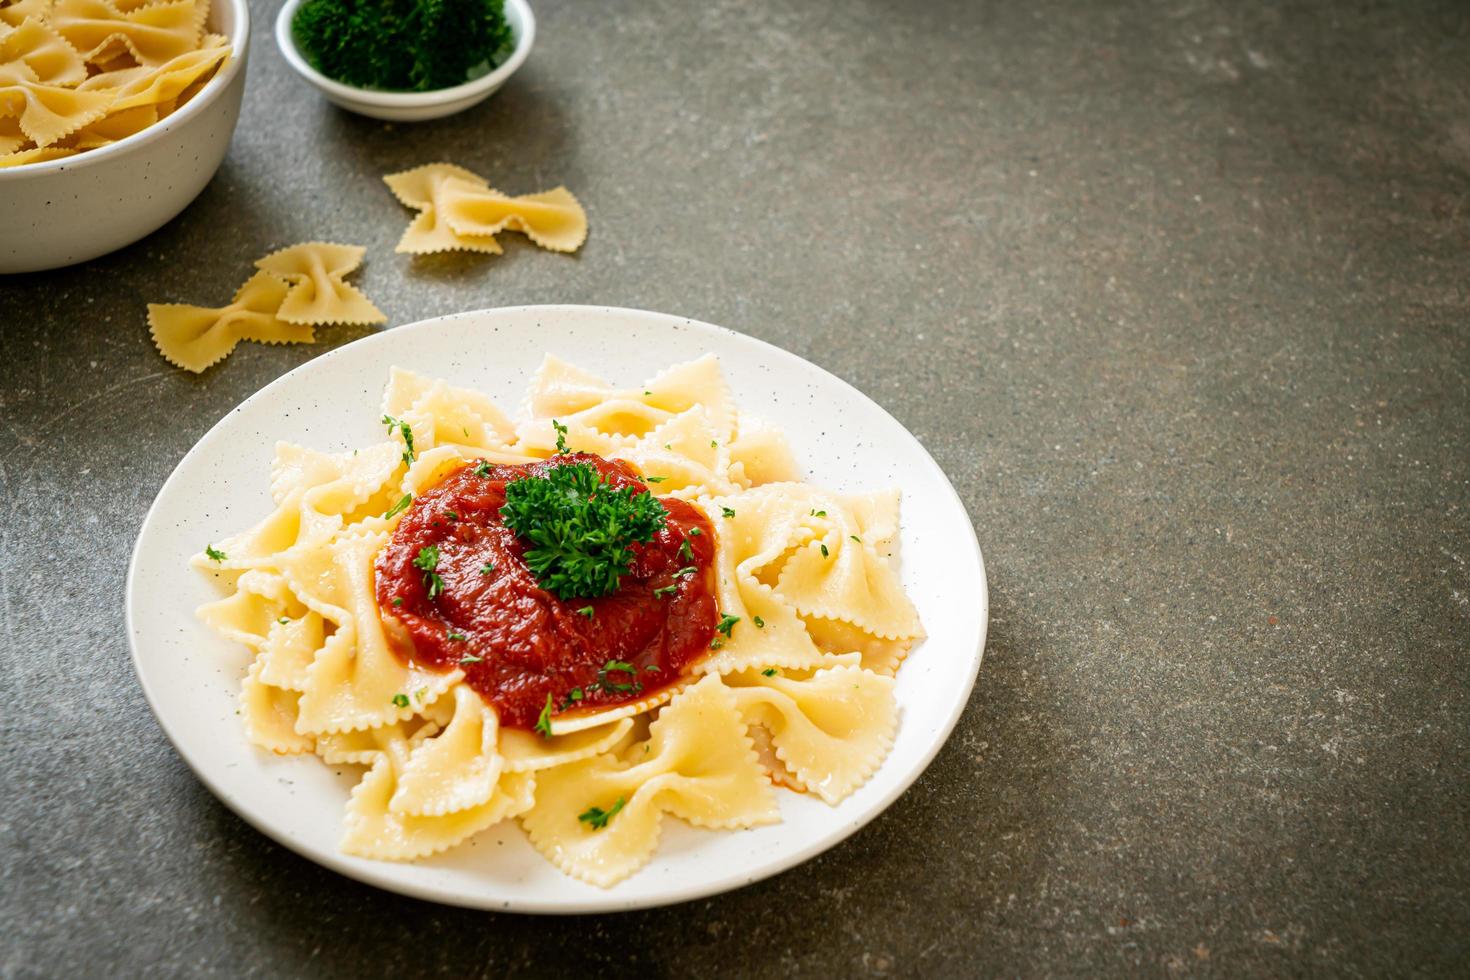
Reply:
x=398, y=600
x=469, y=658
x=666, y=590
x=695, y=532
x=401, y=700
x=451, y=515
x=213, y=553
x=487, y=568
x=727, y=511
x=283, y=621
x=654, y=479
x=399, y=507
x=653, y=669
x=405, y=430
x=483, y=469
x=819, y=513
x=596, y=817
x=587, y=611
x=573, y=696
x=618, y=667
x=726, y=623
x=420, y=693
x=543, y=724
x=760, y=624
x=686, y=572
x=769, y=672
x=824, y=550
x=579, y=530
x=685, y=551
x=716, y=643
x=561, y=436
x=713, y=444
x=456, y=637
x=856, y=538
x=427, y=561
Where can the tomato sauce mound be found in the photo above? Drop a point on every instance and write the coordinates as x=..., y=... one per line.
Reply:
x=518, y=643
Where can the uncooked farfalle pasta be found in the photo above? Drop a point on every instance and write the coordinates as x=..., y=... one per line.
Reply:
x=76, y=75
x=296, y=289
x=459, y=210
x=622, y=608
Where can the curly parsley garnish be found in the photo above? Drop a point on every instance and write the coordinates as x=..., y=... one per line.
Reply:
x=406, y=431
x=596, y=817
x=580, y=530
x=213, y=553
x=427, y=561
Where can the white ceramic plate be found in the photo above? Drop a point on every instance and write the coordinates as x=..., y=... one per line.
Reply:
x=191, y=677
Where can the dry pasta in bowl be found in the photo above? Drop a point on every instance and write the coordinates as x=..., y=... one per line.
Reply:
x=620, y=607
x=76, y=75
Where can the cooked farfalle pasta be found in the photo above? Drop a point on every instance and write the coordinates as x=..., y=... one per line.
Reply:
x=796, y=692
x=76, y=75
x=297, y=288
x=458, y=209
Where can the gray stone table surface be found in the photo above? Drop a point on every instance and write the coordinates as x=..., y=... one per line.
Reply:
x=1177, y=293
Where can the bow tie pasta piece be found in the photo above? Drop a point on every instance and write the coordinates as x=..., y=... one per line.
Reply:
x=49, y=112
x=599, y=819
x=600, y=418
x=683, y=458
x=458, y=416
x=456, y=769
x=270, y=715
x=355, y=680
x=11, y=138
x=831, y=730
x=154, y=86
x=424, y=190
x=15, y=14
x=759, y=453
x=34, y=52
x=366, y=746
x=553, y=219
x=260, y=600
x=836, y=575
x=318, y=293
x=360, y=488
x=195, y=337
x=752, y=532
x=374, y=830
x=152, y=33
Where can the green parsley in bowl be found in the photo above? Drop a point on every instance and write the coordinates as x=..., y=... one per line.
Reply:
x=405, y=60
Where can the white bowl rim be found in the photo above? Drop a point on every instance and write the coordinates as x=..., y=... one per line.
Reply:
x=239, y=44
x=406, y=100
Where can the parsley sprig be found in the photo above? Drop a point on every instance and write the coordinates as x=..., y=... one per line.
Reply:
x=427, y=561
x=580, y=530
x=596, y=817
x=406, y=431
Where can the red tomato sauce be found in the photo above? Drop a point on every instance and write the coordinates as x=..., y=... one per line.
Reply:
x=530, y=643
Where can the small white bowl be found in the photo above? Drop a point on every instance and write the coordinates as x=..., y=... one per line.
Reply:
x=61, y=212
x=411, y=106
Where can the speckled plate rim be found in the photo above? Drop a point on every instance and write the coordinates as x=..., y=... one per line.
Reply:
x=699, y=863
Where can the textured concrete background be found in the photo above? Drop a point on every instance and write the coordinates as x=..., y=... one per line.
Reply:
x=1177, y=293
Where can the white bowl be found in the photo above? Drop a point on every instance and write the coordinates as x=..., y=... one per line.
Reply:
x=411, y=106
x=65, y=211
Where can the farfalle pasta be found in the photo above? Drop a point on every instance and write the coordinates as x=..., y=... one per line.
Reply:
x=459, y=210
x=76, y=75
x=799, y=618
x=296, y=289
